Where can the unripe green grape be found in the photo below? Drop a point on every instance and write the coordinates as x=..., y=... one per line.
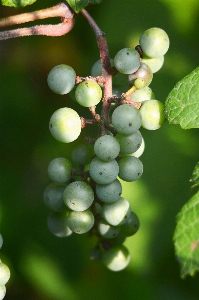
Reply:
x=103, y=172
x=129, y=143
x=53, y=196
x=1, y=241
x=116, y=258
x=119, y=239
x=65, y=125
x=80, y=221
x=127, y=60
x=116, y=213
x=155, y=64
x=78, y=196
x=61, y=79
x=131, y=226
x=109, y=193
x=88, y=93
x=126, y=119
x=59, y=170
x=130, y=168
x=142, y=77
x=142, y=94
x=152, y=114
x=106, y=230
x=57, y=224
x=154, y=42
x=2, y=292
x=140, y=151
x=96, y=69
x=106, y=147
x=82, y=154
x=4, y=273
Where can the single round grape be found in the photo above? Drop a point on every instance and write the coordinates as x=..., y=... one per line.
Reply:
x=106, y=147
x=127, y=60
x=4, y=273
x=61, y=79
x=119, y=239
x=116, y=258
x=154, y=42
x=152, y=114
x=103, y=172
x=82, y=154
x=78, y=196
x=126, y=119
x=140, y=151
x=59, y=170
x=106, y=230
x=1, y=241
x=88, y=93
x=116, y=213
x=109, y=193
x=129, y=143
x=142, y=77
x=155, y=64
x=96, y=69
x=131, y=226
x=65, y=125
x=142, y=94
x=57, y=224
x=53, y=196
x=130, y=168
x=2, y=292
x=80, y=221
x=95, y=254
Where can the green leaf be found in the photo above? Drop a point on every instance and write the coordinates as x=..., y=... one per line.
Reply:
x=78, y=5
x=182, y=103
x=17, y=3
x=195, y=176
x=186, y=237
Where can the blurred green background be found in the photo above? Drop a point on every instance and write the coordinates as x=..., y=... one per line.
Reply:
x=42, y=266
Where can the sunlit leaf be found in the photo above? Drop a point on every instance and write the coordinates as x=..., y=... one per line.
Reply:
x=195, y=176
x=182, y=103
x=17, y=3
x=186, y=237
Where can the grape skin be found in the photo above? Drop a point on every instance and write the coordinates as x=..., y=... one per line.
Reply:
x=80, y=221
x=155, y=64
x=117, y=258
x=152, y=114
x=82, y=154
x=57, y=224
x=154, y=42
x=108, y=231
x=129, y=143
x=53, y=196
x=127, y=60
x=130, y=168
x=65, y=125
x=4, y=273
x=142, y=94
x=2, y=291
x=61, y=79
x=59, y=170
x=109, y=193
x=1, y=241
x=107, y=147
x=103, y=172
x=88, y=93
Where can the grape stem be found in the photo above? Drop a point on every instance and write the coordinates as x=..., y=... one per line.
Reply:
x=106, y=68
x=62, y=10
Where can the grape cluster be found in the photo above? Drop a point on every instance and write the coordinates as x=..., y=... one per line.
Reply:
x=4, y=274
x=86, y=195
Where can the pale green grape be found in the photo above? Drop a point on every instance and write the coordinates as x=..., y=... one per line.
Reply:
x=142, y=77
x=142, y=94
x=88, y=93
x=103, y=172
x=116, y=213
x=1, y=241
x=131, y=226
x=127, y=60
x=126, y=119
x=82, y=154
x=59, y=170
x=106, y=147
x=130, y=168
x=140, y=151
x=2, y=292
x=57, y=224
x=129, y=143
x=78, y=196
x=53, y=196
x=61, y=79
x=152, y=114
x=154, y=42
x=80, y=221
x=4, y=273
x=106, y=230
x=155, y=64
x=116, y=258
x=65, y=125
x=109, y=193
